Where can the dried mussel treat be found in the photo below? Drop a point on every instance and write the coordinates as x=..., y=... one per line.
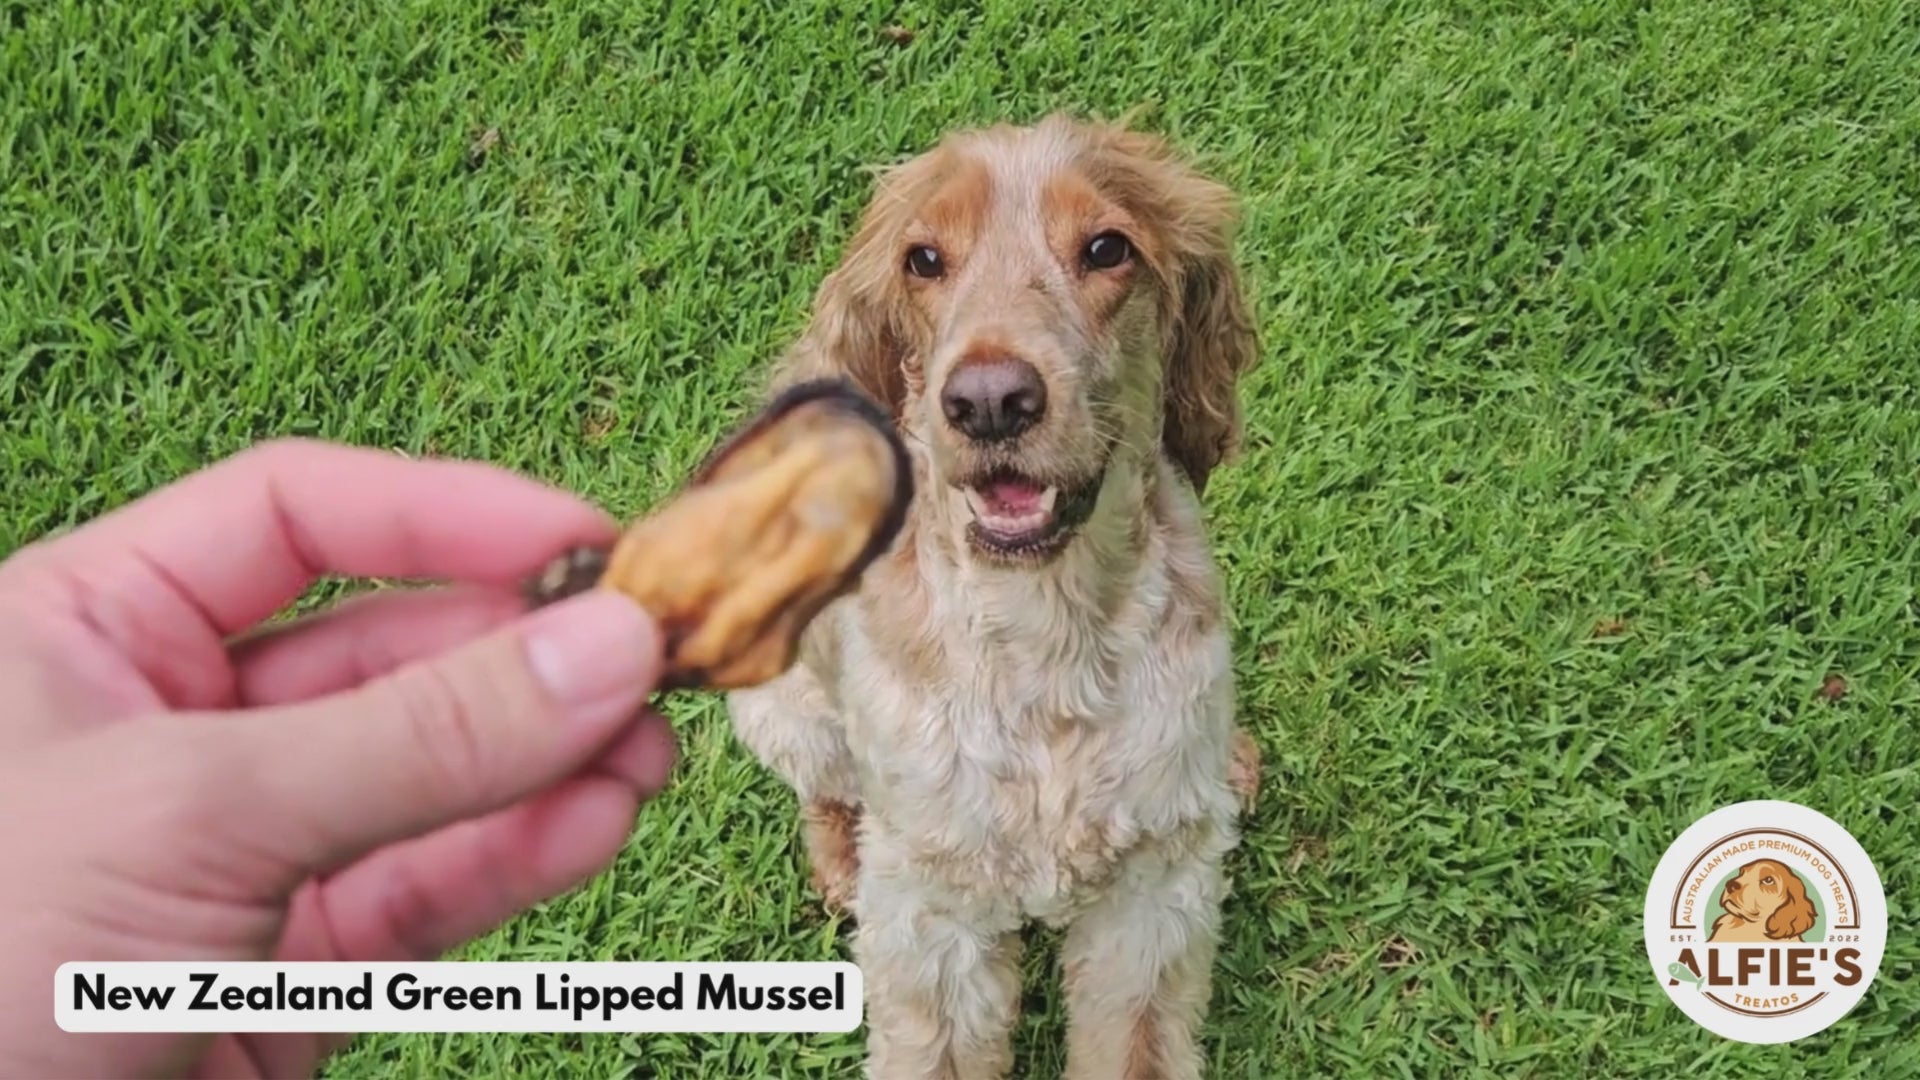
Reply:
x=781, y=520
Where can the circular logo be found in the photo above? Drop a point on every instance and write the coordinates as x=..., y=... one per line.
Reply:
x=1765, y=922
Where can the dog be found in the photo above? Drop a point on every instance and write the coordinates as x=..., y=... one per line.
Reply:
x=1025, y=711
x=1764, y=902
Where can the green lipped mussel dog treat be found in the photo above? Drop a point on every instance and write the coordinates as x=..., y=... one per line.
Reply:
x=781, y=520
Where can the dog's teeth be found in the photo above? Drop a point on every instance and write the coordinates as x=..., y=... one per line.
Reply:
x=991, y=516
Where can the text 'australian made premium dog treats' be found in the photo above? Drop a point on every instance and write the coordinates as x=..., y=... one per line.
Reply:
x=781, y=520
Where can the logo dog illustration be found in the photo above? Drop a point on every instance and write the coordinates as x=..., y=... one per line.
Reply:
x=1764, y=902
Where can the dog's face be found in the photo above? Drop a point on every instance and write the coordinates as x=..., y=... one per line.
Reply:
x=1767, y=892
x=1040, y=335
x=1032, y=303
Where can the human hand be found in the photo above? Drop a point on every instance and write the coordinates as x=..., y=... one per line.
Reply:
x=381, y=781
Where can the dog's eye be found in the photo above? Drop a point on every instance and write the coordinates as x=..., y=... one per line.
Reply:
x=925, y=262
x=1766, y=880
x=1106, y=251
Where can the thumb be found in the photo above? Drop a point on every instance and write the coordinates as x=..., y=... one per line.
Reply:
x=464, y=734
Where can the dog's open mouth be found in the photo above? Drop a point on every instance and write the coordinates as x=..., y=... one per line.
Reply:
x=1016, y=514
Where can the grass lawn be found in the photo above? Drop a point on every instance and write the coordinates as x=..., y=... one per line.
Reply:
x=1582, y=453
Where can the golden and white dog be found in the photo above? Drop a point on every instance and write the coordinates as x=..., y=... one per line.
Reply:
x=1026, y=712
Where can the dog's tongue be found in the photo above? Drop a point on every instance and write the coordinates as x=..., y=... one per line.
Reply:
x=1013, y=497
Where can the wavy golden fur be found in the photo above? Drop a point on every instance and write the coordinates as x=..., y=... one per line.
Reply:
x=1031, y=725
x=1765, y=901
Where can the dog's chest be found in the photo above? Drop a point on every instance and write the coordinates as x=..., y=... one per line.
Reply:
x=1038, y=813
x=1031, y=783
x=1021, y=738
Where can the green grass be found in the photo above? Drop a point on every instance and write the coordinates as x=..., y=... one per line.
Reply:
x=1583, y=450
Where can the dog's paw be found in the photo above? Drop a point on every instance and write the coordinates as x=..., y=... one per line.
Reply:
x=836, y=894
x=830, y=829
x=1243, y=771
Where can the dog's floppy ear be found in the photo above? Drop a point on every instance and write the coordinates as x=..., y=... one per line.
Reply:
x=1212, y=340
x=851, y=333
x=859, y=325
x=1797, y=915
x=1214, y=344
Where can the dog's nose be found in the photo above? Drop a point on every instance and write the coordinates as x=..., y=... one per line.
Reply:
x=991, y=400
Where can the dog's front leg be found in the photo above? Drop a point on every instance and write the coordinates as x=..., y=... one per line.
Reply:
x=942, y=972
x=792, y=726
x=1138, y=967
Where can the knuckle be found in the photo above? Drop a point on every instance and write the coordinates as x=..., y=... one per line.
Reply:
x=286, y=456
x=284, y=446
x=409, y=908
x=445, y=734
x=274, y=453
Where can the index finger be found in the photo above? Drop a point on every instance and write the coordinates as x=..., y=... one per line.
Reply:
x=243, y=538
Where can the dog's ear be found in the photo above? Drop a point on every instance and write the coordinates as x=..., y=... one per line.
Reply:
x=1214, y=344
x=850, y=334
x=1211, y=337
x=1796, y=915
x=860, y=323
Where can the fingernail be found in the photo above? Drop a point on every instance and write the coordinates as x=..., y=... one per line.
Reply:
x=597, y=654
